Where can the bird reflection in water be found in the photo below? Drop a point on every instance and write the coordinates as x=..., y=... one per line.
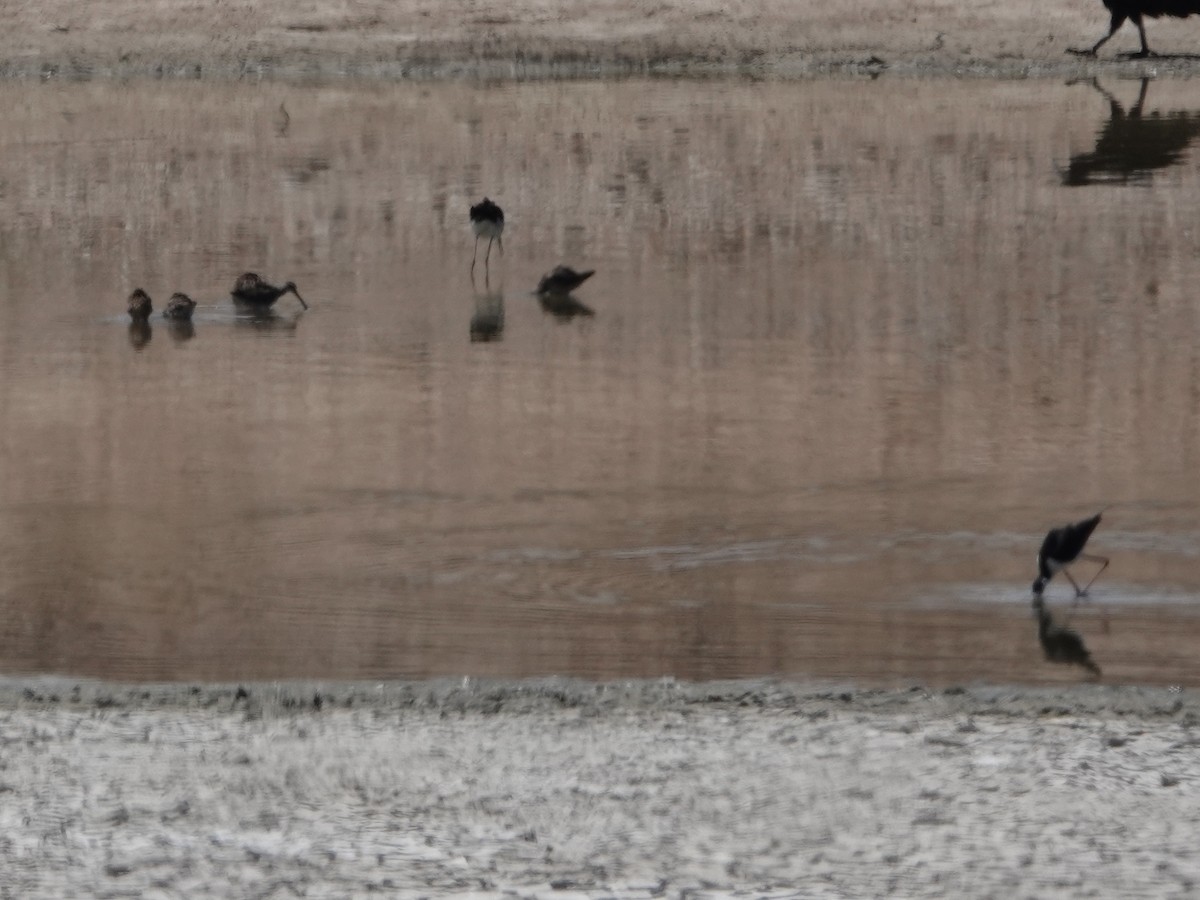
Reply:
x=487, y=322
x=139, y=333
x=1132, y=145
x=181, y=330
x=1059, y=643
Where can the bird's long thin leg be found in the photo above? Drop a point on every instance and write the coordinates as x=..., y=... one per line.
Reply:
x=1078, y=592
x=1137, y=20
x=500, y=241
x=475, y=254
x=1103, y=560
x=1114, y=24
x=489, y=251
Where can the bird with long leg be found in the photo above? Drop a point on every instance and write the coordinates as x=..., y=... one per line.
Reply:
x=1060, y=643
x=1063, y=546
x=1134, y=11
x=487, y=220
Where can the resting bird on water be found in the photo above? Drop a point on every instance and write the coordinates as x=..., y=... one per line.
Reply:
x=563, y=280
x=139, y=306
x=253, y=290
x=179, y=308
x=487, y=220
x=1060, y=643
x=1061, y=547
x=1134, y=11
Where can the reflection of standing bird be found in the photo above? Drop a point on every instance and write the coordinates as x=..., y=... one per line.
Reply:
x=139, y=305
x=487, y=220
x=563, y=280
x=179, y=308
x=1133, y=143
x=1060, y=643
x=487, y=324
x=1061, y=547
x=253, y=290
x=1134, y=10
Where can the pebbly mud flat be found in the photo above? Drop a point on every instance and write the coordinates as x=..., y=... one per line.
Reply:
x=568, y=788
x=542, y=39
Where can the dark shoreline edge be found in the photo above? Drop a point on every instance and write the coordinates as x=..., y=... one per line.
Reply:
x=489, y=696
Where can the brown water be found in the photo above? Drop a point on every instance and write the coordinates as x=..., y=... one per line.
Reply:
x=856, y=345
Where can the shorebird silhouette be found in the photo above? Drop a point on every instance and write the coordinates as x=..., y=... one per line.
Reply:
x=563, y=280
x=1134, y=10
x=487, y=220
x=139, y=305
x=252, y=290
x=179, y=308
x=1061, y=547
x=1060, y=643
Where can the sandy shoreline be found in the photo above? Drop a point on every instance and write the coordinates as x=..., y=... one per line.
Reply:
x=540, y=38
x=566, y=788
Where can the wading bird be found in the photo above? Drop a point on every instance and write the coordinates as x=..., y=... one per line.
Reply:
x=252, y=290
x=179, y=308
x=1061, y=547
x=1060, y=643
x=139, y=306
x=563, y=280
x=1134, y=11
x=487, y=220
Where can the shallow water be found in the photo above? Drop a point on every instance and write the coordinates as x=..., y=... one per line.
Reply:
x=856, y=345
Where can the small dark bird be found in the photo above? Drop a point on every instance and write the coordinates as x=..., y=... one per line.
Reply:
x=1060, y=643
x=563, y=280
x=179, y=308
x=139, y=306
x=1061, y=547
x=487, y=220
x=1134, y=11
x=253, y=290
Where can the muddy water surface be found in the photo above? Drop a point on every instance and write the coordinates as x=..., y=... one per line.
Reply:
x=855, y=346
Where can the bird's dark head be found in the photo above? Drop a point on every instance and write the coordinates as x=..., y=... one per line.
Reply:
x=1038, y=586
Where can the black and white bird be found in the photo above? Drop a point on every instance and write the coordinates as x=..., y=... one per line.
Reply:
x=1060, y=643
x=487, y=220
x=1061, y=547
x=1134, y=11
x=563, y=280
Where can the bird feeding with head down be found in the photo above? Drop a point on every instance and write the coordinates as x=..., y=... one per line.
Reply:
x=1063, y=546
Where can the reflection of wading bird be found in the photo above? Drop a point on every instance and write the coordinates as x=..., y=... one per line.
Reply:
x=1134, y=11
x=1131, y=145
x=487, y=220
x=179, y=308
x=487, y=323
x=1060, y=643
x=139, y=306
x=252, y=290
x=1061, y=547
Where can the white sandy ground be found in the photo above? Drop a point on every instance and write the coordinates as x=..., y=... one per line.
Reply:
x=568, y=789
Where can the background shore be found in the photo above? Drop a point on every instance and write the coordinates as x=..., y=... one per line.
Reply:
x=542, y=38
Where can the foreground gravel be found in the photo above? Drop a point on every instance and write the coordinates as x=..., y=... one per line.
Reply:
x=565, y=789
